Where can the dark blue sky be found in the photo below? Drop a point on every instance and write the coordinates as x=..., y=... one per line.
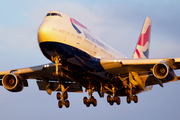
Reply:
x=116, y=22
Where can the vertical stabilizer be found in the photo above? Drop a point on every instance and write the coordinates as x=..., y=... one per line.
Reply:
x=142, y=47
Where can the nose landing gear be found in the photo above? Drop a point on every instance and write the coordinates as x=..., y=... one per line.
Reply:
x=58, y=74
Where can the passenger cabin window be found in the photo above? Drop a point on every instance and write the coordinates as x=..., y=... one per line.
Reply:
x=54, y=14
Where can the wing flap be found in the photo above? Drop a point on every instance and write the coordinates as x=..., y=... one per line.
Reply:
x=73, y=87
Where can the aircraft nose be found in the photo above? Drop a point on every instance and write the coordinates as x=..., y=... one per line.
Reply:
x=44, y=32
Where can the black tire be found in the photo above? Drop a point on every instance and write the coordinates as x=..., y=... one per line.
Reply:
x=127, y=90
x=95, y=103
x=87, y=104
x=135, y=99
x=92, y=99
x=67, y=104
x=116, y=98
x=111, y=103
x=60, y=104
x=85, y=100
x=118, y=101
x=58, y=96
x=128, y=99
x=133, y=90
x=108, y=98
x=65, y=95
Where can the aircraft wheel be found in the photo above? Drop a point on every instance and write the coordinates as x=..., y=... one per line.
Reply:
x=67, y=103
x=58, y=95
x=128, y=99
x=118, y=101
x=133, y=90
x=60, y=104
x=65, y=95
x=135, y=98
x=127, y=90
x=111, y=102
x=116, y=98
x=87, y=104
x=108, y=98
x=95, y=103
x=92, y=99
x=85, y=100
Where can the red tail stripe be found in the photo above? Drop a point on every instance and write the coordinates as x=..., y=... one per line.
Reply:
x=144, y=38
x=139, y=56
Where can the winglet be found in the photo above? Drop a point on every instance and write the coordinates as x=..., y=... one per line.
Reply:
x=142, y=47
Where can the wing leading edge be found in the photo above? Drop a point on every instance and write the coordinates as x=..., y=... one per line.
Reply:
x=121, y=66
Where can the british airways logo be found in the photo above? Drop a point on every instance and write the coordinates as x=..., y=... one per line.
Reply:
x=142, y=50
x=77, y=24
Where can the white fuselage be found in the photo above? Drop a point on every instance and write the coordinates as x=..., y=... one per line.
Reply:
x=63, y=29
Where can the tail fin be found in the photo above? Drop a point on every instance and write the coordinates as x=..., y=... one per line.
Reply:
x=142, y=47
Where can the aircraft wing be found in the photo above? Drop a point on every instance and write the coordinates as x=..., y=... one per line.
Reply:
x=41, y=73
x=157, y=71
x=121, y=66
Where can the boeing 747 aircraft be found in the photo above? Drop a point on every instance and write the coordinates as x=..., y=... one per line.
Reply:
x=80, y=59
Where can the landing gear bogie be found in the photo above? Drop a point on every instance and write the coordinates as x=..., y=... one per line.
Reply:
x=115, y=99
x=130, y=98
x=92, y=101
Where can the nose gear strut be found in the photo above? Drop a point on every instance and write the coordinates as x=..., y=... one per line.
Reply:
x=58, y=74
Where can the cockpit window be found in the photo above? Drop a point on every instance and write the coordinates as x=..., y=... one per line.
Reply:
x=48, y=14
x=54, y=14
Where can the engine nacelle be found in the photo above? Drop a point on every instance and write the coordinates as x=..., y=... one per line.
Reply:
x=12, y=83
x=163, y=71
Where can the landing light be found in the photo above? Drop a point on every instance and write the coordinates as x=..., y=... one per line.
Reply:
x=117, y=60
x=46, y=66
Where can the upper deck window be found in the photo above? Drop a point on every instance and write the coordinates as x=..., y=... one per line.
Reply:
x=54, y=14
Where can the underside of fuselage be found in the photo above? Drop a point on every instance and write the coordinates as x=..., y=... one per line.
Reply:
x=81, y=67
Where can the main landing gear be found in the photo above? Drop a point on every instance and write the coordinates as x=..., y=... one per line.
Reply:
x=130, y=89
x=114, y=98
x=58, y=74
x=91, y=99
x=130, y=94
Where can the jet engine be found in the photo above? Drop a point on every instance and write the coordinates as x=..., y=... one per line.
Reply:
x=12, y=83
x=163, y=71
